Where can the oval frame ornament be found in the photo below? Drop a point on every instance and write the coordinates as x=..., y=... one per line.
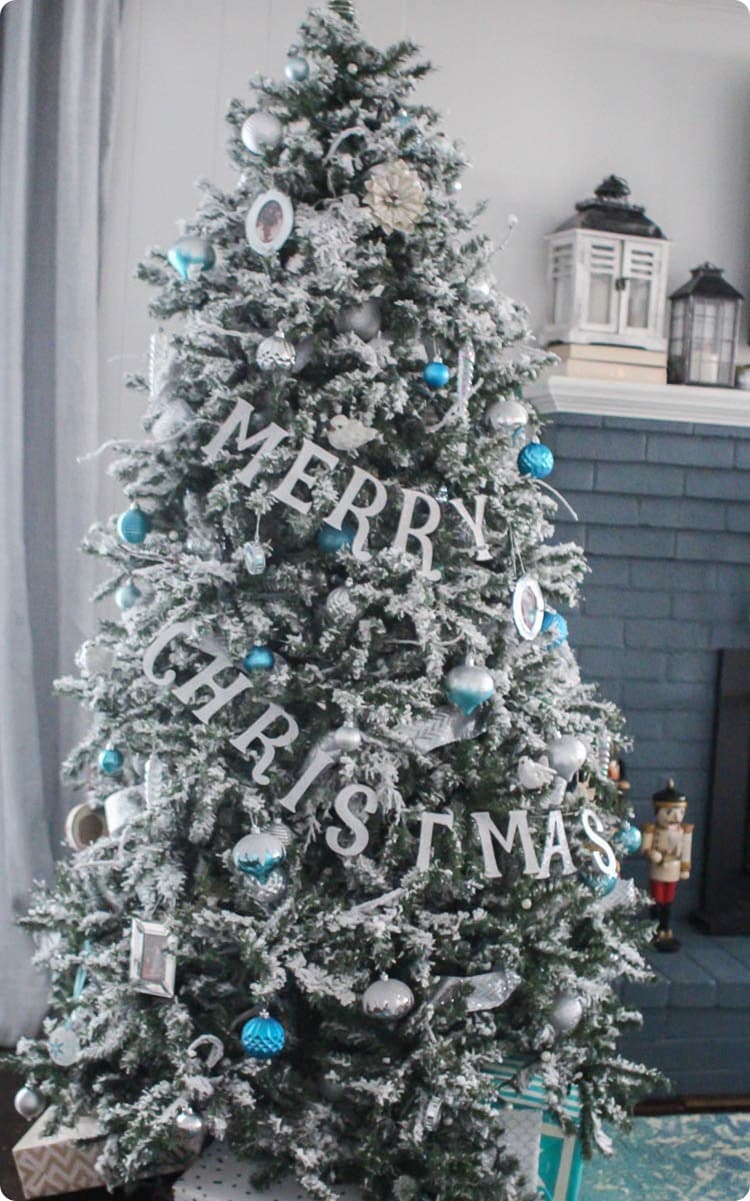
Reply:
x=528, y=607
x=269, y=222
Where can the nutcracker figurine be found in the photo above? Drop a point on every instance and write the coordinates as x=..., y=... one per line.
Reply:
x=667, y=844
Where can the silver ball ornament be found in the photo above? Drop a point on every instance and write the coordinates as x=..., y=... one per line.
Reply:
x=28, y=1103
x=297, y=68
x=190, y=1124
x=261, y=131
x=275, y=353
x=340, y=606
x=567, y=1011
x=347, y=738
x=388, y=1000
x=360, y=319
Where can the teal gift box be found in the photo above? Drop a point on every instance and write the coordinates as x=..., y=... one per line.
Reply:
x=560, y=1156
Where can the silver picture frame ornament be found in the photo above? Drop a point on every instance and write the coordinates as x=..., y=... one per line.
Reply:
x=528, y=607
x=152, y=967
x=269, y=222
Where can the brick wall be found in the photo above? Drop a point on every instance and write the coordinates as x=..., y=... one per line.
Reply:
x=664, y=512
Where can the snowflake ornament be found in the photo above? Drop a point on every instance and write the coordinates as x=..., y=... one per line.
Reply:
x=396, y=196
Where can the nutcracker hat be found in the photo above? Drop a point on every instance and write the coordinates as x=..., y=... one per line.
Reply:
x=668, y=796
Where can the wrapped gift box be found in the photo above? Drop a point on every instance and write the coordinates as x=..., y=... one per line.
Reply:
x=63, y=1162
x=560, y=1158
x=218, y=1175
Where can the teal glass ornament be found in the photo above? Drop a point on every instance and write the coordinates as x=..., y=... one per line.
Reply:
x=536, y=459
x=556, y=626
x=110, y=761
x=469, y=686
x=133, y=525
x=258, y=854
x=436, y=374
x=190, y=255
x=127, y=595
x=263, y=1037
x=258, y=658
x=600, y=884
x=330, y=539
x=627, y=839
x=297, y=68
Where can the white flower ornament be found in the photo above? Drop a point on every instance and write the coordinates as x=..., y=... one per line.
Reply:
x=396, y=196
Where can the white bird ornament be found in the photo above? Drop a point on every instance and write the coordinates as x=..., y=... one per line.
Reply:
x=349, y=433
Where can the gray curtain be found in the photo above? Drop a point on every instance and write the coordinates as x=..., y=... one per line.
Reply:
x=57, y=72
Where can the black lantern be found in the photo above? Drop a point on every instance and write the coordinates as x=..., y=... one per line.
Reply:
x=703, y=329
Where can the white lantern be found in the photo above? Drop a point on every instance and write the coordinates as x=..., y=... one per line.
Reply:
x=607, y=274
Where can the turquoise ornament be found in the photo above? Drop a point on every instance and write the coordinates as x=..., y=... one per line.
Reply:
x=110, y=761
x=258, y=854
x=627, y=839
x=468, y=686
x=555, y=625
x=436, y=374
x=330, y=539
x=263, y=1037
x=127, y=595
x=258, y=658
x=536, y=460
x=297, y=68
x=600, y=884
x=133, y=525
x=190, y=255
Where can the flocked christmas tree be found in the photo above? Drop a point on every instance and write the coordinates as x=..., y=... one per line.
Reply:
x=352, y=775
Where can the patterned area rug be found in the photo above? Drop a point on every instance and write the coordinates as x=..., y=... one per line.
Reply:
x=694, y=1157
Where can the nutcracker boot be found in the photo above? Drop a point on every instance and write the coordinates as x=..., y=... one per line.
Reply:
x=664, y=939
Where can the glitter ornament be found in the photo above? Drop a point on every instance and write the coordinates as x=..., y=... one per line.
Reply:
x=258, y=658
x=258, y=854
x=297, y=68
x=360, y=319
x=263, y=1037
x=330, y=539
x=507, y=414
x=536, y=460
x=567, y=1011
x=275, y=353
x=388, y=1000
x=133, y=525
x=28, y=1103
x=469, y=686
x=349, y=433
x=396, y=197
x=127, y=595
x=190, y=255
x=627, y=839
x=599, y=883
x=339, y=605
x=63, y=1045
x=261, y=132
x=255, y=558
x=436, y=374
x=110, y=761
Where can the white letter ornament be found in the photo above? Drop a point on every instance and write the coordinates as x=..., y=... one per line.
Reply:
x=297, y=475
x=179, y=629
x=343, y=808
x=518, y=823
x=556, y=843
x=406, y=530
x=256, y=733
x=266, y=439
x=476, y=525
x=592, y=827
x=429, y=821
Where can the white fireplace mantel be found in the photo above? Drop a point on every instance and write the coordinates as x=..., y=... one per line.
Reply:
x=640, y=402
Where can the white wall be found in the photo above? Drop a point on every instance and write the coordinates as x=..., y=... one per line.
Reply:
x=548, y=96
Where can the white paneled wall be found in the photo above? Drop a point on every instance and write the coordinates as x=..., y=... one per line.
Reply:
x=548, y=96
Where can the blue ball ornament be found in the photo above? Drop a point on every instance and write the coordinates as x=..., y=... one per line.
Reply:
x=297, y=68
x=127, y=595
x=436, y=374
x=258, y=658
x=330, y=539
x=600, y=884
x=133, y=525
x=627, y=839
x=555, y=625
x=536, y=459
x=110, y=761
x=263, y=1037
x=190, y=255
